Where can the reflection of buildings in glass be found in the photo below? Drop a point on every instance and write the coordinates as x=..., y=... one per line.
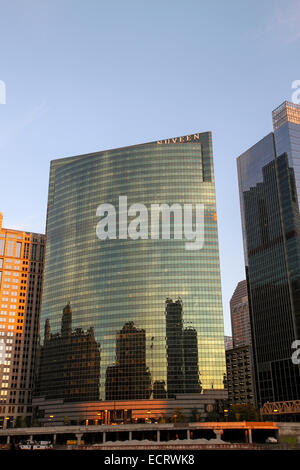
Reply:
x=182, y=353
x=272, y=293
x=129, y=378
x=129, y=279
x=69, y=362
x=174, y=338
x=269, y=195
x=190, y=354
x=159, y=389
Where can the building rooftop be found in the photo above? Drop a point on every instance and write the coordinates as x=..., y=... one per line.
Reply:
x=286, y=112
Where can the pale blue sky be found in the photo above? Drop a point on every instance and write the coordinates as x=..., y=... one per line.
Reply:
x=83, y=76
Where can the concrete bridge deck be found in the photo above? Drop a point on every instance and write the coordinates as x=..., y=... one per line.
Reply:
x=157, y=432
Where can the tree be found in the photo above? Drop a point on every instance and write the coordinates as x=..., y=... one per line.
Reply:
x=35, y=422
x=243, y=412
x=212, y=416
x=162, y=418
x=195, y=415
x=80, y=420
x=66, y=421
x=178, y=416
x=27, y=422
x=20, y=422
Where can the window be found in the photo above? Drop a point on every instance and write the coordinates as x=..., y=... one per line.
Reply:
x=33, y=252
x=26, y=250
x=10, y=248
x=18, y=249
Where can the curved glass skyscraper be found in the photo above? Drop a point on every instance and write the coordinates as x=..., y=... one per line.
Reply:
x=136, y=313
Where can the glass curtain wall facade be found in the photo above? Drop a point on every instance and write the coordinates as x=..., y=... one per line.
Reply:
x=269, y=191
x=152, y=308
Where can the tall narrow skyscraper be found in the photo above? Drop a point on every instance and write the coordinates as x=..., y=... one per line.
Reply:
x=21, y=268
x=269, y=182
x=106, y=256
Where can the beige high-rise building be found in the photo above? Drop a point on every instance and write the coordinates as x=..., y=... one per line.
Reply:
x=240, y=320
x=21, y=267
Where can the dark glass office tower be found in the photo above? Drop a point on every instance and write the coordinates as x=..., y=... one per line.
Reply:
x=269, y=182
x=151, y=307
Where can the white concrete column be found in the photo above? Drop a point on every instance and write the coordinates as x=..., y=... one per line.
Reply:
x=218, y=433
x=188, y=434
x=104, y=436
x=250, y=436
x=78, y=436
x=158, y=435
x=130, y=435
x=8, y=440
